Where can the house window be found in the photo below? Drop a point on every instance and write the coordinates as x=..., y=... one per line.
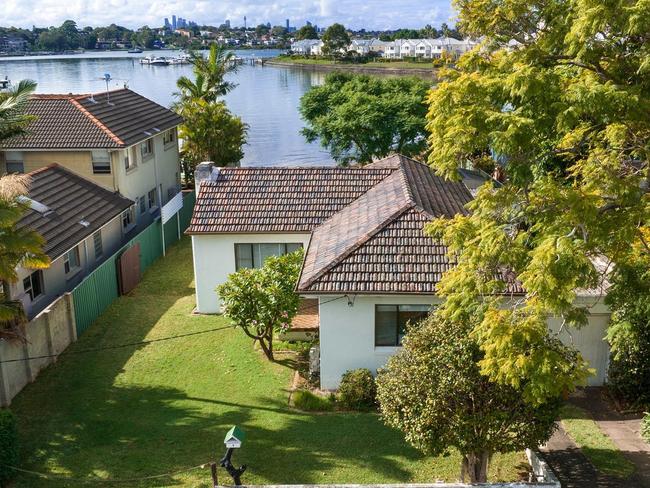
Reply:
x=101, y=162
x=71, y=260
x=254, y=255
x=33, y=285
x=97, y=243
x=142, y=203
x=391, y=321
x=128, y=219
x=152, y=198
x=146, y=149
x=14, y=162
x=168, y=137
x=129, y=162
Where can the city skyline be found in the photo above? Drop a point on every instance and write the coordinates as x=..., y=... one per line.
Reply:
x=371, y=14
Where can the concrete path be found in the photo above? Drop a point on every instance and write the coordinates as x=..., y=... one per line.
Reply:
x=571, y=466
x=623, y=429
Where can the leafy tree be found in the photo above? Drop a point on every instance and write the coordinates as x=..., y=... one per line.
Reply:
x=335, y=40
x=209, y=81
x=13, y=120
x=434, y=392
x=210, y=133
x=144, y=37
x=307, y=32
x=262, y=30
x=566, y=112
x=358, y=118
x=262, y=301
x=629, y=332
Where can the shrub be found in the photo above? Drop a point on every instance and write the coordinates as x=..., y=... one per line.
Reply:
x=645, y=427
x=357, y=390
x=308, y=401
x=8, y=445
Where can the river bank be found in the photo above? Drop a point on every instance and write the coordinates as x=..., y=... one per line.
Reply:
x=367, y=68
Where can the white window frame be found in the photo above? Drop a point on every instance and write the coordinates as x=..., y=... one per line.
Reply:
x=29, y=290
x=72, y=268
x=128, y=219
x=256, y=261
x=152, y=202
x=101, y=162
x=14, y=158
x=169, y=138
x=129, y=161
x=146, y=149
x=98, y=244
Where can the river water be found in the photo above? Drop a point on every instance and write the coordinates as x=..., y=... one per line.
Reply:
x=266, y=98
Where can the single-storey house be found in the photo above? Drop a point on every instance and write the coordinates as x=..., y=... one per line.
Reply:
x=82, y=224
x=368, y=261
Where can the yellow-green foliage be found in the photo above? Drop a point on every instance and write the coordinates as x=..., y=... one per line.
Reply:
x=559, y=95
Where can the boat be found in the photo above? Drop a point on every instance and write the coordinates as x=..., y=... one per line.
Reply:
x=135, y=50
x=155, y=61
x=182, y=59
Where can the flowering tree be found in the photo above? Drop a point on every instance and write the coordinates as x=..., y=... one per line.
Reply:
x=262, y=301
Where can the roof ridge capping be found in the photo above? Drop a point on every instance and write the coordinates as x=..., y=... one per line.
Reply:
x=96, y=121
x=396, y=205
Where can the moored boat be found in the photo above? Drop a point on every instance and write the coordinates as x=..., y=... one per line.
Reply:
x=155, y=60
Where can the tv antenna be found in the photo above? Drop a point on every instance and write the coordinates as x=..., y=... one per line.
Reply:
x=107, y=78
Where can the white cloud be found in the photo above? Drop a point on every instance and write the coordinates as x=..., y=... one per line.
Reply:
x=371, y=14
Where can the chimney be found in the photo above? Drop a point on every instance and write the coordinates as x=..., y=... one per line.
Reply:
x=205, y=171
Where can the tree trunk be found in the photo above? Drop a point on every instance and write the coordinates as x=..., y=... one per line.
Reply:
x=475, y=467
x=266, y=343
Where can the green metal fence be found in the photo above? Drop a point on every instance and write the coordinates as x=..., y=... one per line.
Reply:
x=100, y=288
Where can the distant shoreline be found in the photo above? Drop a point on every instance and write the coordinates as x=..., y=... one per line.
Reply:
x=355, y=68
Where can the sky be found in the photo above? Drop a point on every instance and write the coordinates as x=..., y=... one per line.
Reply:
x=356, y=14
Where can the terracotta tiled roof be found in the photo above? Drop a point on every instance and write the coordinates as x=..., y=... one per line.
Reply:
x=85, y=122
x=277, y=199
x=377, y=244
x=70, y=199
x=306, y=318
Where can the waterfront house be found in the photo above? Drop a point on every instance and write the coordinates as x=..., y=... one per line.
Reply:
x=120, y=140
x=82, y=223
x=305, y=46
x=368, y=263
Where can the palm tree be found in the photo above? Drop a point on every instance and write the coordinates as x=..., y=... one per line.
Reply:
x=209, y=81
x=19, y=246
x=13, y=120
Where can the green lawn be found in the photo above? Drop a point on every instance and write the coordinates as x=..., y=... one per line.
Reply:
x=372, y=64
x=594, y=443
x=160, y=408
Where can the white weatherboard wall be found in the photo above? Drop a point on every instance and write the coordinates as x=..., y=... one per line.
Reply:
x=214, y=260
x=347, y=336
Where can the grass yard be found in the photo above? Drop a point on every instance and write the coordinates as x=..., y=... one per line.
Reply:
x=164, y=407
x=372, y=64
x=594, y=443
